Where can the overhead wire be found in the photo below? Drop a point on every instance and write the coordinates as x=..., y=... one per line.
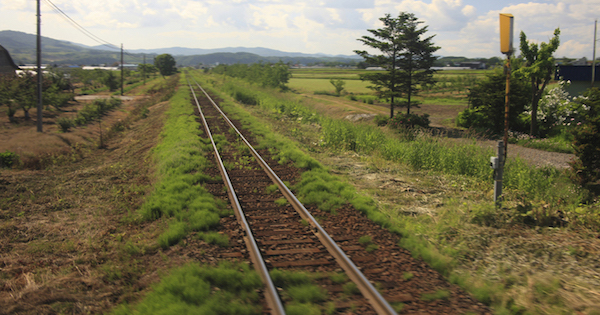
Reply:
x=83, y=30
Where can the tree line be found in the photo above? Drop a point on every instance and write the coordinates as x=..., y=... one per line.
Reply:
x=275, y=75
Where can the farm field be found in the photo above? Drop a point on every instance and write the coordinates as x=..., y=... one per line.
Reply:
x=80, y=250
x=442, y=102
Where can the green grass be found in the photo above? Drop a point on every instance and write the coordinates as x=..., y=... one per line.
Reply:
x=299, y=292
x=437, y=295
x=180, y=160
x=311, y=85
x=193, y=289
x=222, y=240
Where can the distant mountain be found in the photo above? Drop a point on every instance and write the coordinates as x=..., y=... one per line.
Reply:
x=22, y=47
x=264, y=52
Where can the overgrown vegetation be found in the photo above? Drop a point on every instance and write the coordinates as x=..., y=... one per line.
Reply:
x=178, y=194
x=192, y=289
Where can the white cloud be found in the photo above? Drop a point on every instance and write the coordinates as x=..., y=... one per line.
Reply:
x=462, y=27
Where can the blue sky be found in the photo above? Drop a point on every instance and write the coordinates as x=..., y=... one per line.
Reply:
x=461, y=27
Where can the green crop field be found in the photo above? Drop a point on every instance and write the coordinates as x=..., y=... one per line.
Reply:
x=451, y=87
x=311, y=85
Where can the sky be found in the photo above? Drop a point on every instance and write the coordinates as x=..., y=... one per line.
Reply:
x=468, y=28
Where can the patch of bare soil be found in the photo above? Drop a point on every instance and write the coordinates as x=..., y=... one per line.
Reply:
x=68, y=240
x=23, y=139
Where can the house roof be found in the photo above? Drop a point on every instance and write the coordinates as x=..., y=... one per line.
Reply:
x=7, y=65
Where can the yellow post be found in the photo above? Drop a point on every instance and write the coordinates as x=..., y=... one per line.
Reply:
x=506, y=33
x=506, y=47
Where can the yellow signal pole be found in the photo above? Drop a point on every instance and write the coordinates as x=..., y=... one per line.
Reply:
x=506, y=47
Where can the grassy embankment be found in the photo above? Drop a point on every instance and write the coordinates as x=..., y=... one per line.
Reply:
x=465, y=223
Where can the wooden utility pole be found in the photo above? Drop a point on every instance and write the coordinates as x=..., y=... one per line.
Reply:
x=40, y=74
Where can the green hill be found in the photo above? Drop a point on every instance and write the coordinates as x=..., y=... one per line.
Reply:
x=22, y=48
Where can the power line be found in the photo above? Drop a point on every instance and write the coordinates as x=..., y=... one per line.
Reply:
x=83, y=30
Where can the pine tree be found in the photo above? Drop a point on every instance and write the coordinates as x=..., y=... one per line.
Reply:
x=406, y=57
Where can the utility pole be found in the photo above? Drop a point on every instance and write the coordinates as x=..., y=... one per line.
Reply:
x=40, y=74
x=122, y=66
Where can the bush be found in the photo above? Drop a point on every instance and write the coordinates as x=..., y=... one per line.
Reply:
x=65, y=124
x=586, y=142
x=7, y=159
x=403, y=121
x=382, y=120
x=245, y=98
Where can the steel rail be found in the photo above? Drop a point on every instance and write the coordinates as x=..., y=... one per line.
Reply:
x=380, y=305
x=272, y=297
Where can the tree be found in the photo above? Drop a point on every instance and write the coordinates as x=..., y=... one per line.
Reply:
x=539, y=69
x=486, y=104
x=406, y=58
x=586, y=142
x=165, y=64
x=8, y=91
x=26, y=96
x=110, y=81
x=146, y=69
x=338, y=85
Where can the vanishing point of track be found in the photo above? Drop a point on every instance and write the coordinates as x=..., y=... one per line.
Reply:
x=287, y=236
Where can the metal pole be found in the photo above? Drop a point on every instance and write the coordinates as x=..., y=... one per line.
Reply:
x=498, y=174
x=507, y=105
x=40, y=74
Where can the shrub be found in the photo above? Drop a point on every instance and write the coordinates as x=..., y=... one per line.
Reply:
x=402, y=120
x=382, y=120
x=586, y=142
x=7, y=159
x=245, y=97
x=65, y=124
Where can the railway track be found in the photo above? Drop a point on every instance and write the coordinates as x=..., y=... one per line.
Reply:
x=280, y=233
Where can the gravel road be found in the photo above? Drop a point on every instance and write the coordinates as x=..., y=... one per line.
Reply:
x=534, y=156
